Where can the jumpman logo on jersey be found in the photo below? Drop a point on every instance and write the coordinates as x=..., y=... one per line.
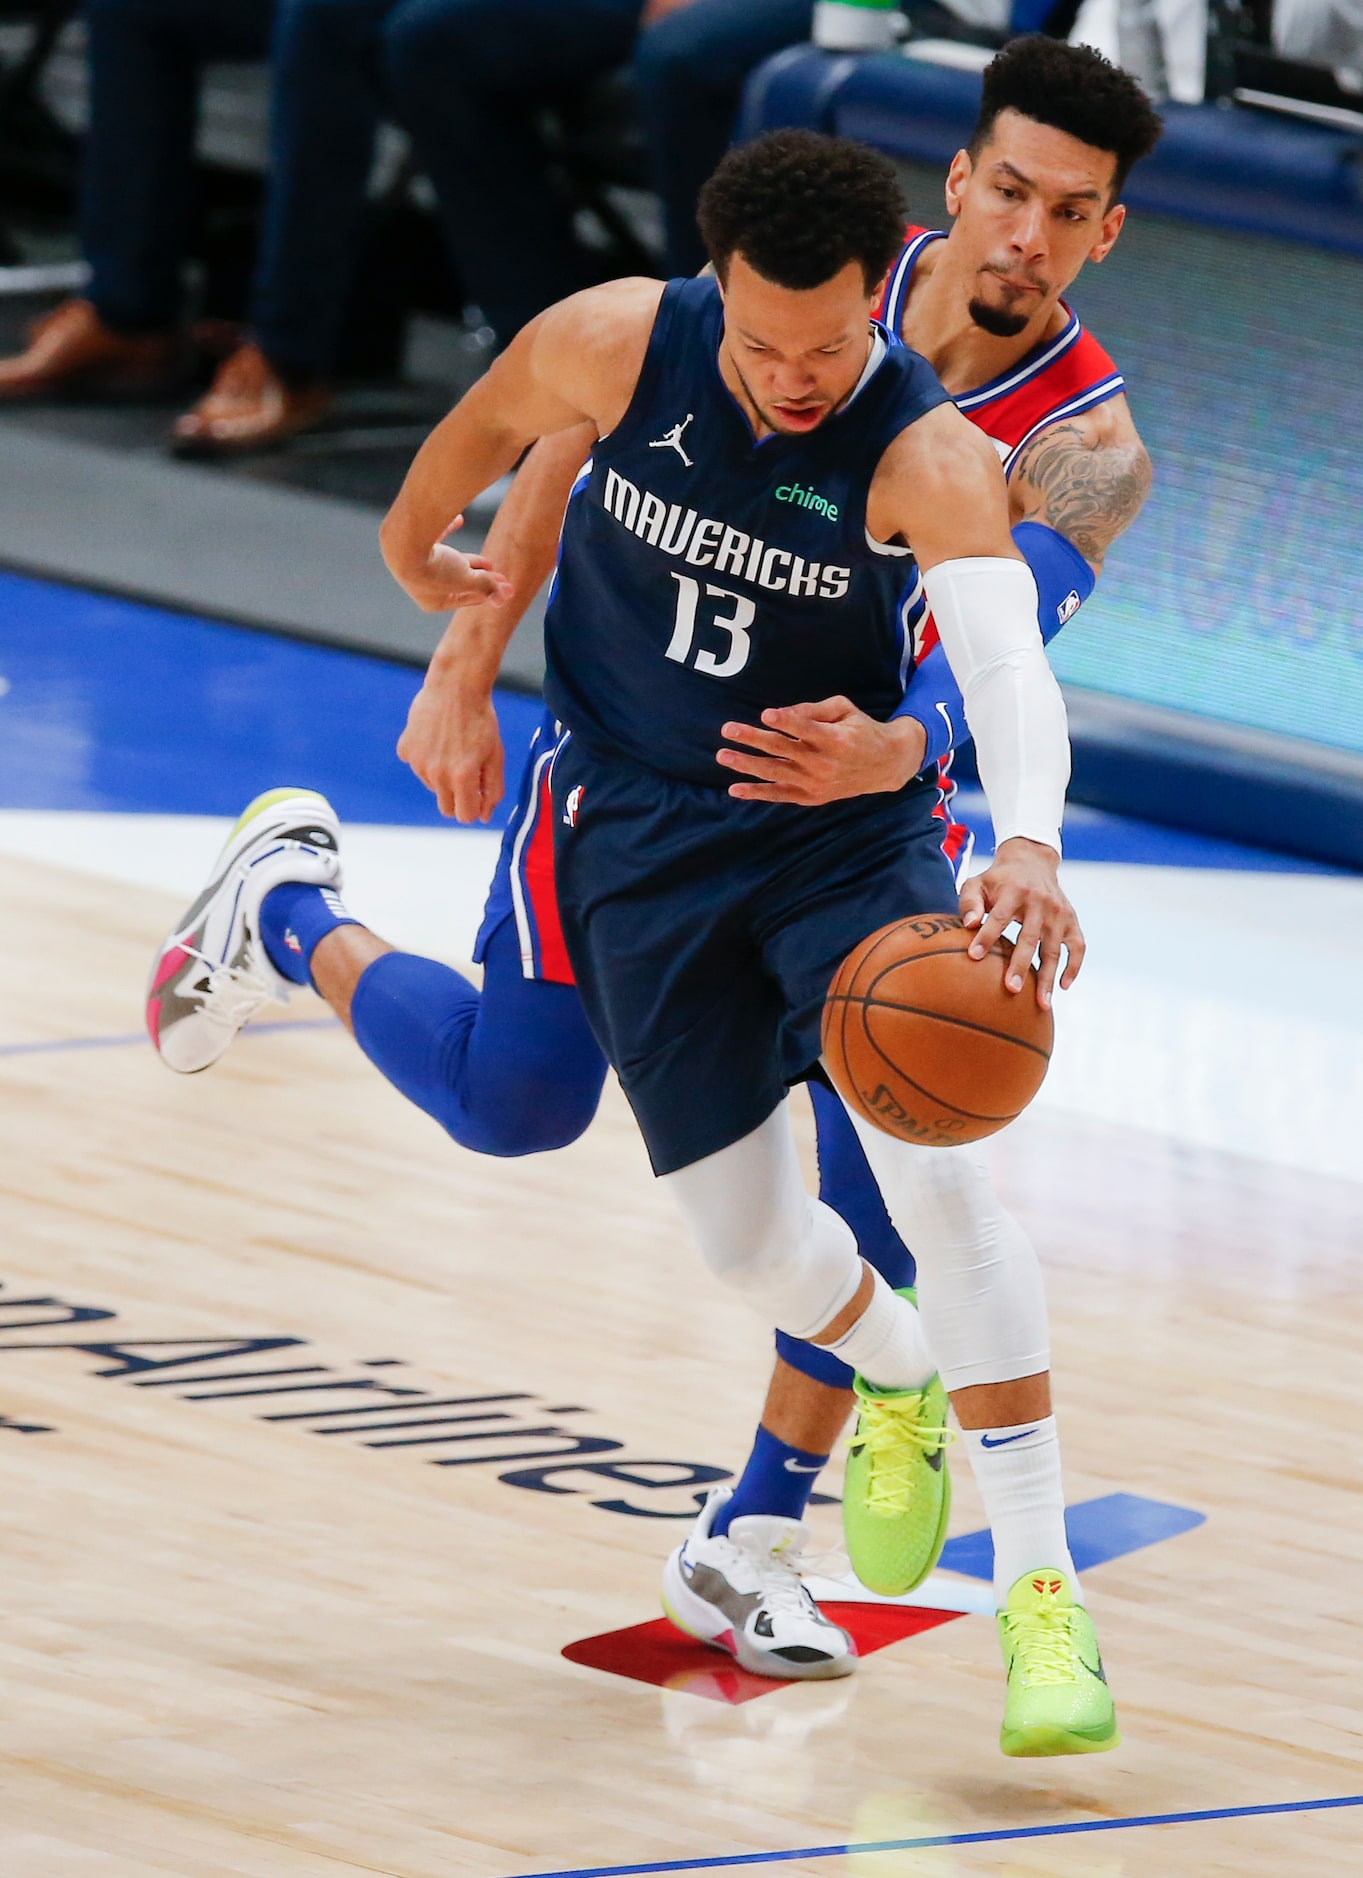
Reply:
x=673, y=439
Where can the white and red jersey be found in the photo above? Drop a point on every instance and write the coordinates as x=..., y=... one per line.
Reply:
x=1059, y=378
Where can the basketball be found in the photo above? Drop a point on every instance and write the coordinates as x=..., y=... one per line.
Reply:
x=925, y=1041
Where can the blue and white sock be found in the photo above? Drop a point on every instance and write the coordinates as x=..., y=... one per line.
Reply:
x=777, y=1480
x=294, y=919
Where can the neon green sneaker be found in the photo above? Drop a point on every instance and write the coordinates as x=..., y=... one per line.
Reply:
x=1058, y=1698
x=896, y=1499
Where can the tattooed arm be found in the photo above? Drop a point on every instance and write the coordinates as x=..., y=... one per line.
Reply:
x=1086, y=477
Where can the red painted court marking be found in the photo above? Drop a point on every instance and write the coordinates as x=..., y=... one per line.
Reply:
x=660, y=1654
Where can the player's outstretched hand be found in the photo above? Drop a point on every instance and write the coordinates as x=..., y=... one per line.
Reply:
x=815, y=753
x=448, y=579
x=1021, y=884
x=454, y=744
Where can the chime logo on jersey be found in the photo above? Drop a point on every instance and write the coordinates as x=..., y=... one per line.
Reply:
x=700, y=542
x=572, y=803
x=807, y=499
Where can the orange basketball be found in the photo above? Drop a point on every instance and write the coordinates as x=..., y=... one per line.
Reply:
x=925, y=1042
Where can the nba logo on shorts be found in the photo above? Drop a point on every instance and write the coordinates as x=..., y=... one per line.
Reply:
x=571, y=806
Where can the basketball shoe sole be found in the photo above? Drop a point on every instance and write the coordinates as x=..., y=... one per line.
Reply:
x=212, y=975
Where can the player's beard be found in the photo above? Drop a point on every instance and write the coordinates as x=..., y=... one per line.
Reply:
x=997, y=320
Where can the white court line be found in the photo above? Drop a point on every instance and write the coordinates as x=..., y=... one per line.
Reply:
x=1221, y=1009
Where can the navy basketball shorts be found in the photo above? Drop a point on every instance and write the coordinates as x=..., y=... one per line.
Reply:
x=704, y=931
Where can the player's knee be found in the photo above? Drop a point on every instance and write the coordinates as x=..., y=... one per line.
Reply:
x=506, y=1135
x=747, y=1244
x=795, y=1268
x=938, y=1195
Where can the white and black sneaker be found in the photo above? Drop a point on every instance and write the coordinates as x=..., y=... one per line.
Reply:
x=742, y=1592
x=212, y=974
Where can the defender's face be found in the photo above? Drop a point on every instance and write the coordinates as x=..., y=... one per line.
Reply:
x=798, y=355
x=1030, y=210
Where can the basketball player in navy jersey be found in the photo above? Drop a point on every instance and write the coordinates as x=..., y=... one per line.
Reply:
x=798, y=782
x=704, y=930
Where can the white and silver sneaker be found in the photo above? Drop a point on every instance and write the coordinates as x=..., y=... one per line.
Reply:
x=212, y=974
x=742, y=1592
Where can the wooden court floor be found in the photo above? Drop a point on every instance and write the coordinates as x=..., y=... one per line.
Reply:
x=250, y=1627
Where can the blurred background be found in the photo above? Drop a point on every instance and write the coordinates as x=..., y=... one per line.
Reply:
x=250, y=250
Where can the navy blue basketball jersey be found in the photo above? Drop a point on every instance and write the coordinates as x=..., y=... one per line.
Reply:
x=704, y=576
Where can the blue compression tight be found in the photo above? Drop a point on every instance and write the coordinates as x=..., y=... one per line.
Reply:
x=511, y=1069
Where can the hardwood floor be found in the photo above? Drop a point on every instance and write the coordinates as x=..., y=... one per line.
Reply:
x=251, y=1628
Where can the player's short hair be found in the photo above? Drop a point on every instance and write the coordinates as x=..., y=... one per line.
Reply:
x=798, y=206
x=1074, y=89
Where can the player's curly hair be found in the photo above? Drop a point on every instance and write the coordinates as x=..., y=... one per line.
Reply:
x=798, y=206
x=1074, y=89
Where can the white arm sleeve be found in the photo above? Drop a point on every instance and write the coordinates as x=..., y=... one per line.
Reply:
x=985, y=610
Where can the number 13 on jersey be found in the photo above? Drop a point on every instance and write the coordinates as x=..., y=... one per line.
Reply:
x=734, y=623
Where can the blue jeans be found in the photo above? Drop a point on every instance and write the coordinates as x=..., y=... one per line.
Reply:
x=691, y=68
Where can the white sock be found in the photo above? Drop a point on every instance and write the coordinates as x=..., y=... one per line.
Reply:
x=1017, y=1471
x=886, y=1345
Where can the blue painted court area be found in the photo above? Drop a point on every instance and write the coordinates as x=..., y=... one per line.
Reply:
x=1098, y=1531
x=110, y=704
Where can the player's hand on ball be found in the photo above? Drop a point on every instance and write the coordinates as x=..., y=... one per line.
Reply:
x=815, y=753
x=1022, y=885
x=454, y=744
x=447, y=579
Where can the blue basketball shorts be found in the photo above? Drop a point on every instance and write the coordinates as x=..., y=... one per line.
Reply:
x=704, y=931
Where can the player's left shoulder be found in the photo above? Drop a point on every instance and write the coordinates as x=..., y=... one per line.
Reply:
x=1109, y=425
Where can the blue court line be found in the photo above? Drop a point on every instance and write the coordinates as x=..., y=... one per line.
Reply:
x=951, y=1838
x=128, y=1037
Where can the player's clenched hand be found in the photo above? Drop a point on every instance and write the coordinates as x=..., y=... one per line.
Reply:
x=1022, y=885
x=813, y=753
x=446, y=579
x=453, y=743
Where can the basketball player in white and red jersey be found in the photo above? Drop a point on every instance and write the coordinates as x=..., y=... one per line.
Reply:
x=1033, y=199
